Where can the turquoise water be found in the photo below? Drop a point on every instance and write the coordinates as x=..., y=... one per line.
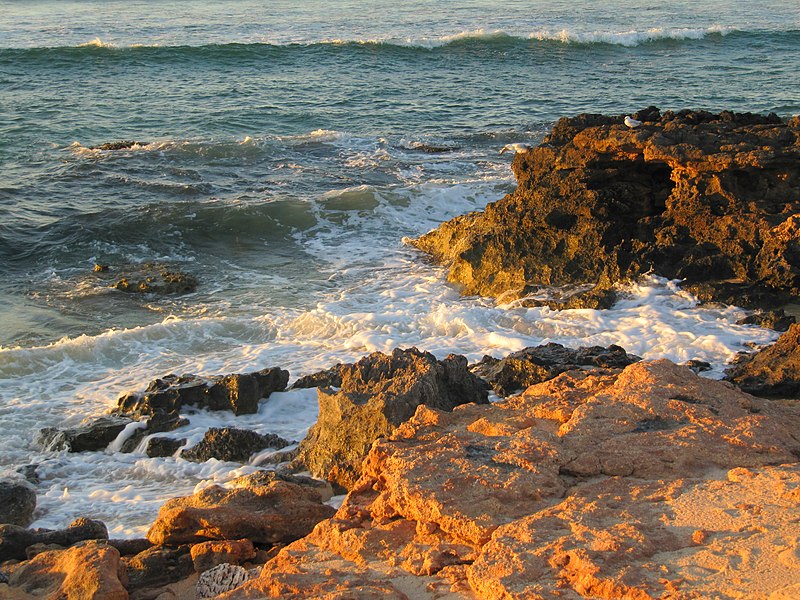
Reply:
x=283, y=156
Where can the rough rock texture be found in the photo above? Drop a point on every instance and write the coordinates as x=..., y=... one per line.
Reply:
x=17, y=503
x=157, y=566
x=230, y=443
x=279, y=512
x=90, y=571
x=328, y=378
x=710, y=199
x=159, y=422
x=94, y=434
x=220, y=579
x=154, y=279
x=774, y=371
x=208, y=555
x=378, y=393
x=769, y=319
x=649, y=483
x=536, y=364
x=260, y=479
x=238, y=392
x=14, y=539
x=161, y=446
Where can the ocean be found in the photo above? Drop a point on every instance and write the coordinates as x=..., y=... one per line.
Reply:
x=285, y=150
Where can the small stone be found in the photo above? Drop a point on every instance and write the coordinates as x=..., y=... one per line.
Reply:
x=207, y=555
x=220, y=579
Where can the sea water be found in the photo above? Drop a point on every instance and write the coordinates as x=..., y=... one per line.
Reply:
x=283, y=154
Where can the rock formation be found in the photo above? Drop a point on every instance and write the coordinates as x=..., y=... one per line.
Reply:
x=152, y=278
x=230, y=443
x=649, y=483
x=712, y=199
x=377, y=394
x=15, y=540
x=772, y=372
x=17, y=503
x=94, y=434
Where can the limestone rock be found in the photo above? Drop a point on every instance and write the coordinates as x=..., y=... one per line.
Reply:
x=90, y=571
x=377, y=394
x=536, y=364
x=774, y=371
x=220, y=579
x=263, y=478
x=207, y=555
x=711, y=199
x=279, y=512
x=151, y=278
x=17, y=503
x=237, y=392
x=328, y=378
x=158, y=566
x=769, y=319
x=646, y=483
x=14, y=539
x=230, y=443
x=162, y=446
x=94, y=434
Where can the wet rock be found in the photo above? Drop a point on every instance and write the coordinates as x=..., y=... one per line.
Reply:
x=276, y=513
x=697, y=366
x=89, y=571
x=222, y=578
x=773, y=371
x=17, y=503
x=93, y=435
x=14, y=539
x=231, y=444
x=159, y=422
x=161, y=446
x=710, y=199
x=536, y=364
x=238, y=392
x=207, y=555
x=29, y=472
x=328, y=378
x=769, y=319
x=587, y=485
x=155, y=279
x=158, y=566
x=377, y=394
x=120, y=145
x=98, y=268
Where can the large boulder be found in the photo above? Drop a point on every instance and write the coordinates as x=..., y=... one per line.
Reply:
x=89, y=571
x=17, y=503
x=237, y=392
x=14, y=540
x=278, y=512
x=536, y=364
x=377, y=394
x=649, y=483
x=710, y=199
x=773, y=371
x=92, y=435
x=232, y=444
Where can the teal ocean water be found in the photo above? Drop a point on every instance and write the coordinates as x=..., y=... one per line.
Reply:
x=284, y=151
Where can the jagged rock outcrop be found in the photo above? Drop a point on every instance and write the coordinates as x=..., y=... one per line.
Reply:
x=230, y=443
x=94, y=434
x=237, y=392
x=208, y=555
x=151, y=278
x=712, y=199
x=278, y=512
x=536, y=364
x=378, y=393
x=17, y=503
x=649, y=483
x=773, y=371
x=14, y=540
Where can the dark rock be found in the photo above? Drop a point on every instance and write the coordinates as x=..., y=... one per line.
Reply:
x=710, y=199
x=328, y=378
x=769, y=319
x=93, y=435
x=38, y=548
x=162, y=446
x=239, y=393
x=158, y=566
x=151, y=278
x=377, y=394
x=698, y=366
x=231, y=444
x=29, y=473
x=160, y=422
x=14, y=539
x=17, y=503
x=3, y=578
x=536, y=364
x=130, y=547
x=773, y=371
x=121, y=145
x=98, y=268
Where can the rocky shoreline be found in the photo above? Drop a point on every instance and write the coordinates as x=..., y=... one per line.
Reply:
x=593, y=474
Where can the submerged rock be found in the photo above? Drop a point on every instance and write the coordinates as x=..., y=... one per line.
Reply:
x=536, y=364
x=709, y=199
x=378, y=393
x=95, y=434
x=773, y=371
x=152, y=278
x=232, y=444
x=237, y=392
x=17, y=503
x=601, y=485
x=120, y=145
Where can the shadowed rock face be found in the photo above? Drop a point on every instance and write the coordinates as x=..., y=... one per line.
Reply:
x=710, y=199
x=774, y=371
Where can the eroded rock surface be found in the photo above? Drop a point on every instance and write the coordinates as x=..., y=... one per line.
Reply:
x=232, y=444
x=649, y=483
x=712, y=199
x=14, y=540
x=94, y=434
x=17, y=503
x=377, y=394
x=773, y=371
